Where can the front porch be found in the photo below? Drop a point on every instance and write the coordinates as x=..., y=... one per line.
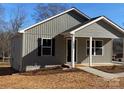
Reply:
x=92, y=43
x=100, y=53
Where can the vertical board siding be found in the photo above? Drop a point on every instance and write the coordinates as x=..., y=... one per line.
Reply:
x=49, y=29
x=107, y=51
x=100, y=30
x=16, y=52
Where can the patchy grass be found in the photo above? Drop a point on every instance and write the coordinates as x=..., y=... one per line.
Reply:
x=111, y=69
x=51, y=70
x=58, y=79
x=54, y=78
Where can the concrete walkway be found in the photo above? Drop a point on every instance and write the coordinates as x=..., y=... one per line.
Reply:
x=101, y=73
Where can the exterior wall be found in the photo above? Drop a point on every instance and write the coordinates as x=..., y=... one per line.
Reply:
x=81, y=51
x=33, y=61
x=49, y=29
x=53, y=27
x=107, y=51
x=16, y=52
x=99, y=30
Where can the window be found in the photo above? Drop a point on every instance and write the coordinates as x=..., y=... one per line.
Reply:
x=47, y=47
x=97, y=48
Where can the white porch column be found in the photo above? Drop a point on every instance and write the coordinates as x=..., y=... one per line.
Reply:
x=73, y=50
x=90, y=62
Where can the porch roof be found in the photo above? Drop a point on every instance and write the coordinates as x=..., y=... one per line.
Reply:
x=100, y=27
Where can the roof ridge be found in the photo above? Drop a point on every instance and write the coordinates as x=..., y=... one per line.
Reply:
x=87, y=23
x=45, y=20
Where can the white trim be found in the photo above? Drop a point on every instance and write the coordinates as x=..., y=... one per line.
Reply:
x=98, y=47
x=73, y=50
x=22, y=31
x=90, y=52
x=100, y=18
x=46, y=38
x=46, y=47
x=67, y=50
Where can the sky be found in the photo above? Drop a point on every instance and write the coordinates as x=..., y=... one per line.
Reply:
x=114, y=12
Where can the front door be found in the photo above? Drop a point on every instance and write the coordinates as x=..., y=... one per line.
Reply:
x=69, y=50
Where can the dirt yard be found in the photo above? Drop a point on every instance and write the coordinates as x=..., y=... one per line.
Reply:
x=53, y=78
x=111, y=69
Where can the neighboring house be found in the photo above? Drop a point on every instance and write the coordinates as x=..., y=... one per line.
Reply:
x=69, y=37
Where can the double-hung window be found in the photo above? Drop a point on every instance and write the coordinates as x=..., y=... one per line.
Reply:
x=97, y=47
x=47, y=47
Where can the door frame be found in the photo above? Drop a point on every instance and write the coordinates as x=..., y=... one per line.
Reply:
x=67, y=50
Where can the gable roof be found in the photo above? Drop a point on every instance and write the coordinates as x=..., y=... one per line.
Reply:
x=96, y=20
x=22, y=31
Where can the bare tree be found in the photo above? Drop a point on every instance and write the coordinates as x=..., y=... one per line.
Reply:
x=17, y=19
x=10, y=28
x=43, y=11
x=5, y=44
x=3, y=34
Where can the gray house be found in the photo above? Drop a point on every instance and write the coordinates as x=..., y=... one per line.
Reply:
x=69, y=37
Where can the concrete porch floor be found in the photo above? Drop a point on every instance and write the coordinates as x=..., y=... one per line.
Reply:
x=96, y=64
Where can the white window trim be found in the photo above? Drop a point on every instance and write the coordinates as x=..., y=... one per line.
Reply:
x=95, y=47
x=46, y=47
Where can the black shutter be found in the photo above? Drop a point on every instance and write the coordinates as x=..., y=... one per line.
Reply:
x=39, y=46
x=53, y=47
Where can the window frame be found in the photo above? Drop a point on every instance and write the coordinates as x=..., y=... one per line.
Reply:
x=47, y=47
x=94, y=48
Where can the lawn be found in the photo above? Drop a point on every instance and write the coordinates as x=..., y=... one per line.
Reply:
x=54, y=78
